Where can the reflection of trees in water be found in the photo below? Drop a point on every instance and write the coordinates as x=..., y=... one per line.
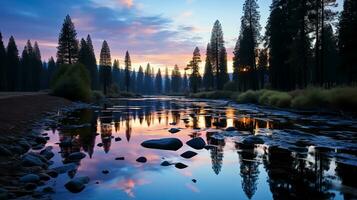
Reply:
x=244, y=124
x=194, y=116
x=208, y=121
x=249, y=170
x=106, y=136
x=347, y=174
x=291, y=176
x=216, y=152
x=175, y=116
x=128, y=129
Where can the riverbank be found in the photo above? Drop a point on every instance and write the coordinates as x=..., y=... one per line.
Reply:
x=310, y=99
x=22, y=166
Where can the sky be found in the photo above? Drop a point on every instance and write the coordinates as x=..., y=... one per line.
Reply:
x=161, y=32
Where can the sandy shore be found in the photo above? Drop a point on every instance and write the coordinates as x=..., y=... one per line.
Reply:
x=18, y=111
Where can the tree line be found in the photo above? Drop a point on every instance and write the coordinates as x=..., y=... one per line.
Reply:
x=306, y=43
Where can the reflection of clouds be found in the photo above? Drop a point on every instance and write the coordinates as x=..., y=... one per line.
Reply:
x=193, y=188
x=128, y=185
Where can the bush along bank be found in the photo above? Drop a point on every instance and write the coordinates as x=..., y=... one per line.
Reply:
x=339, y=98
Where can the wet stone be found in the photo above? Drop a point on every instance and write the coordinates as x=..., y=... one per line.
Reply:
x=231, y=129
x=117, y=139
x=141, y=160
x=119, y=158
x=76, y=185
x=30, y=178
x=196, y=143
x=100, y=144
x=165, y=163
x=180, y=166
x=188, y=154
x=174, y=130
x=172, y=144
x=194, y=180
x=105, y=171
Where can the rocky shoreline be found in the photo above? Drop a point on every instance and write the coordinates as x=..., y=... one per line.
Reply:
x=25, y=159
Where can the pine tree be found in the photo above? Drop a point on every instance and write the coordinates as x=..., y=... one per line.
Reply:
x=116, y=73
x=331, y=58
x=105, y=70
x=185, y=83
x=133, y=86
x=348, y=39
x=167, y=82
x=67, y=50
x=27, y=67
x=140, y=80
x=247, y=45
x=127, y=70
x=13, y=66
x=92, y=63
x=218, y=55
x=262, y=67
x=37, y=62
x=52, y=68
x=148, y=80
x=208, y=77
x=195, y=77
x=176, y=80
x=3, y=70
x=158, y=82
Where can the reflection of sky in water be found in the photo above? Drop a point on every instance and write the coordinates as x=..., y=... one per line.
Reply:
x=224, y=172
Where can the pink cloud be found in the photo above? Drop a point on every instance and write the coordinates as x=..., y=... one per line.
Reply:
x=127, y=3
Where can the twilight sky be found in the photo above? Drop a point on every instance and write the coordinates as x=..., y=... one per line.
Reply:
x=162, y=32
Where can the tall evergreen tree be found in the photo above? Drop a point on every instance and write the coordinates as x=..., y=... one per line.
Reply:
x=37, y=67
x=248, y=42
x=13, y=66
x=67, y=50
x=133, y=86
x=195, y=77
x=331, y=58
x=208, y=77
x=140, y=80
x=218, y=55
x=148, y=80
x=116, y=73
x=52, y=68
x=127, y=70
x=158, y=82
x=262, y=68
x=91, y=63
x=27, y=67
x=105, y=64
x=167, y=82
x=185, y=83
x=348, y=39
x=176, y=80
x=3, y=69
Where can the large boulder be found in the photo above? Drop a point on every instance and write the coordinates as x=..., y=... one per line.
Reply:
x=196, y=143
x=76, y=185
x=172, y=144
x=31, y=160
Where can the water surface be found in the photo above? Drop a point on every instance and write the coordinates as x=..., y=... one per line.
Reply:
x=303, y=156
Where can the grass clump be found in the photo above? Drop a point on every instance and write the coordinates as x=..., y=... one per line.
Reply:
x=72, y=82
x=215, y=95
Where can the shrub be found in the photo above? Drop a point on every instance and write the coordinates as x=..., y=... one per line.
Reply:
x=230, y=86
x=249, y=96
x=215, y=95
x=310, y=98
x=72, y=82
x=343, y=98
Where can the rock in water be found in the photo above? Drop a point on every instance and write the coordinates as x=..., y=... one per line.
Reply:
x=252, y=140
x=76, y=156
x=180, y=166
x=231, y=129
x=172, y=144
x=76, y=185
x=188, y=154
x=117, y=139
x=30, y=178
x=166, y=163
x=174, y=130
x=105, y=171
x=47, y=153
x=196, y=143
x=141, y=159
x=119, y=158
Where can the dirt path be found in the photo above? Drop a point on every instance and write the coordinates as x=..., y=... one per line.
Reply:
x=19, y=110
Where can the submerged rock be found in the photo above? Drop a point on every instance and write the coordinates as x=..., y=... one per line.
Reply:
x=117, y=139
x=47, y=153
x=65, y=168
x=252, y=140
x=174, y=130
x=196, y=143
x=105, y=171
x=180, y=166
x=31, y=160
x=165, y=163
x=30, y=178
x=76, y=185
x=194, y=180
x=231, y=129
x=188, y=154
x=141, y=159
x=172, y=144
x=76, y=156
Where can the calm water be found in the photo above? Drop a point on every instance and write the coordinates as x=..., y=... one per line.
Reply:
x=304, y=157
